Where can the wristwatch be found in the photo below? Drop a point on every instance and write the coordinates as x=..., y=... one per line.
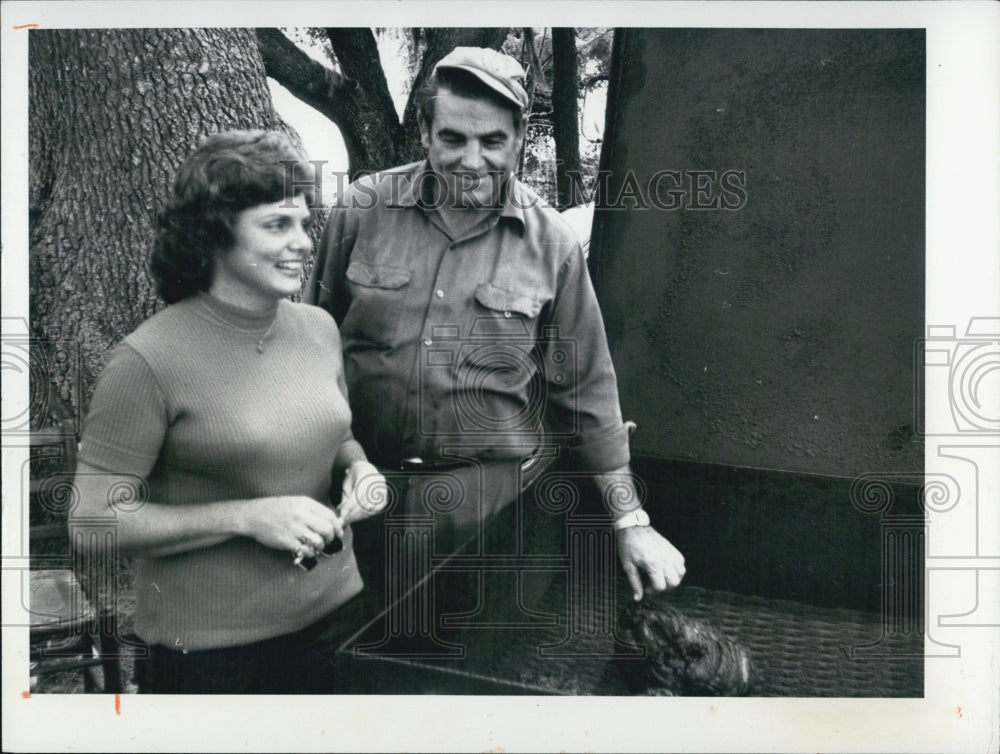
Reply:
x=638, y=517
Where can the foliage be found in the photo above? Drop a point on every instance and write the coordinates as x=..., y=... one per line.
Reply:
x=533, y=47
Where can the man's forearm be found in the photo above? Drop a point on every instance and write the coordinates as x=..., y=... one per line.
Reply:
x=618, y=491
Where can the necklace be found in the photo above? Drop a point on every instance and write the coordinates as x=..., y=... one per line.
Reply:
x=230, y=326
x=260, y=343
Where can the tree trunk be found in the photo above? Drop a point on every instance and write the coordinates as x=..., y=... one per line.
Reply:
x=112, y=114
x=565, y=117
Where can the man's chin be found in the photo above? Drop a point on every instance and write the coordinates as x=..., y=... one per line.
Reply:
x=480, y=197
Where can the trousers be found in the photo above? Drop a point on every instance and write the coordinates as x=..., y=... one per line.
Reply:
x=303, y=662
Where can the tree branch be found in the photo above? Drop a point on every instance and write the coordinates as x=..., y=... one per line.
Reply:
x=340, y=98
x=318, y=86
x=357, y=53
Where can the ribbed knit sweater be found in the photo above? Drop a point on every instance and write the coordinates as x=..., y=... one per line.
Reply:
x=209, y=402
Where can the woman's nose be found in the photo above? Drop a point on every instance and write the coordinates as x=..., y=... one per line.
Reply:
x=301, y=239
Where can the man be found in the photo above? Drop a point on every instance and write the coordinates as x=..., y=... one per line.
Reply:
x=471, y=333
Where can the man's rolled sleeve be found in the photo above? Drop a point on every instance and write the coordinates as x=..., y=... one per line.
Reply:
x=603, y=453
x=585, y=408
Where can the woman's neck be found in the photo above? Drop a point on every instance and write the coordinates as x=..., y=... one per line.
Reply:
x=242, y=299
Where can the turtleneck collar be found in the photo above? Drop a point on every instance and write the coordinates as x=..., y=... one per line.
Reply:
x=247, y=320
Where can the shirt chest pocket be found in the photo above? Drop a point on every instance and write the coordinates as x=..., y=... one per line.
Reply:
x=503, y=332
x=377, y=295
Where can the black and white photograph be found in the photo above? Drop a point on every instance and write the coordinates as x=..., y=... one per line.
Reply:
x=506, y=377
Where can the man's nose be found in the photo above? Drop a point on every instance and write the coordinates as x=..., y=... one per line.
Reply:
x=472, y=156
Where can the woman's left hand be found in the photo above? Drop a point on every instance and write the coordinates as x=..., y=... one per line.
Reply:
x=364, y=493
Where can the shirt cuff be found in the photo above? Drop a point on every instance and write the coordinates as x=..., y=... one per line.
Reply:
x=607, y=451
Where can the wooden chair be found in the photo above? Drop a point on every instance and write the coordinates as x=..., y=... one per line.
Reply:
x=69, y=630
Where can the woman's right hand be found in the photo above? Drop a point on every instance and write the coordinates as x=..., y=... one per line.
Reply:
x=364, y=492
x=295, y=523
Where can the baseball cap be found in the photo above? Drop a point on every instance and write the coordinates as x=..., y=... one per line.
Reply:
x=499, y=72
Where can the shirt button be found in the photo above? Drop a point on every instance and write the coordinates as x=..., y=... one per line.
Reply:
x=439, y=293
x=427, y=341
x=507, y=314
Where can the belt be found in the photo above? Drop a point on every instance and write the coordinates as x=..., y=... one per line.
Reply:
x=500, y=481
x=419, y=464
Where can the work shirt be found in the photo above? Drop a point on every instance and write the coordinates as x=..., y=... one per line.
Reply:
x=458, y=346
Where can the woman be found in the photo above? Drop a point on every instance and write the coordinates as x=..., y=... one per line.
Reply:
x=216, y=431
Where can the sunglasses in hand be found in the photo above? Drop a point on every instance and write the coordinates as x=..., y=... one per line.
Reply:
x=307, y=563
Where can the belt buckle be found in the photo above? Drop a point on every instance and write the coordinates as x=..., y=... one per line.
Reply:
x=419, y=464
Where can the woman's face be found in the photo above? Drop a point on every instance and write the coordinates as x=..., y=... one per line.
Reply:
x=270, y=245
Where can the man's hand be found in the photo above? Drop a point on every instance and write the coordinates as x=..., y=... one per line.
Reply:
x=643, y=551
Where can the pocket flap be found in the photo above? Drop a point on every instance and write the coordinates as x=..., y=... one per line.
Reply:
x=503, y=300
x=377, y=275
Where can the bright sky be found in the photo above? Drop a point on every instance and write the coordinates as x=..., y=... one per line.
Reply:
x=321, y=138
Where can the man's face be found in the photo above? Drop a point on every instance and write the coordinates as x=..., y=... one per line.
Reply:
x=473, y=144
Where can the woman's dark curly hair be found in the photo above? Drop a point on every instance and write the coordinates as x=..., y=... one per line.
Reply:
x=228, y=173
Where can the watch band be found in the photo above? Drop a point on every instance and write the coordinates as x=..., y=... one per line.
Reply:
x=638, y=517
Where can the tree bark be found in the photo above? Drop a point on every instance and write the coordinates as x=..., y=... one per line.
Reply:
x=112, y=113
x=565, y=116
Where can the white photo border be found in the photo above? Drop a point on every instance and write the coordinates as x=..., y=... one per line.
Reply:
x=959, y=711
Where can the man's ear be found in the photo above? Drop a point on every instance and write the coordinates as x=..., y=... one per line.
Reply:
x=521, y=131
x=425, y=130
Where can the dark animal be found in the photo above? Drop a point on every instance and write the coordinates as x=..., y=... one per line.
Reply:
x=685, y=656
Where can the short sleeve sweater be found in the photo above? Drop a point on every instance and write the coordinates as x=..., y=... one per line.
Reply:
x=209, y=402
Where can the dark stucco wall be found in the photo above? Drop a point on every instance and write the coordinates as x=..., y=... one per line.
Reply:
x=779, y=334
